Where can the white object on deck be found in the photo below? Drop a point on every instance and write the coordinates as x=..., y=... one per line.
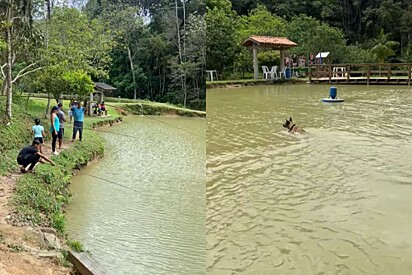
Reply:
x=322, y=55
x=210, y=73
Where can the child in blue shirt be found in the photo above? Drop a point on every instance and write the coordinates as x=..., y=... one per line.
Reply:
x=38, y=132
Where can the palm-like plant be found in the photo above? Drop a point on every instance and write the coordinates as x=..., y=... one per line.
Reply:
x=383, y=47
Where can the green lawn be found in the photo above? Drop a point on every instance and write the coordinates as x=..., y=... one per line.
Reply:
x=18, y=133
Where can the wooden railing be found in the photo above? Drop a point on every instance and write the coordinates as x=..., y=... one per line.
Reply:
x=367, y=72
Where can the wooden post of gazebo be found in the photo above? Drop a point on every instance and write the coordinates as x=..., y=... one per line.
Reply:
x=282, y=59
x=269, y=42
x=255, y=63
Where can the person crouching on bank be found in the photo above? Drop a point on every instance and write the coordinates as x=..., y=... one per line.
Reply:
x=30, y=155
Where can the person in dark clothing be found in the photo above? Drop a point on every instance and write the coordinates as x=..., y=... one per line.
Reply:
x=30, y=155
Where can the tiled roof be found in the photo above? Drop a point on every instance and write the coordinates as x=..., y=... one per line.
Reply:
x=104, y=86
x=269, y=41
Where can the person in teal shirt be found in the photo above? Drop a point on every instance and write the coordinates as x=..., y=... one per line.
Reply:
x=38, y=132
x=54, y=128
x=78, y=114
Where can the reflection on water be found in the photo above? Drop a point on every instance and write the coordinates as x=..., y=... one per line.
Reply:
x=159, y=227
x=334, y=201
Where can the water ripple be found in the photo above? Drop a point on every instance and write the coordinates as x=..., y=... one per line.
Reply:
x=334, y=201
x=160, y=228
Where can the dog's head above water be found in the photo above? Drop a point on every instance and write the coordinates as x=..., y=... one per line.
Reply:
x=288, y=123
x=291, y=126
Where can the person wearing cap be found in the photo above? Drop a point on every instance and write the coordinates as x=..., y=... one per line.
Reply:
x=38, y=132
x=55, y=127
x=78, y=114
x=30, y=155
x=62, y=120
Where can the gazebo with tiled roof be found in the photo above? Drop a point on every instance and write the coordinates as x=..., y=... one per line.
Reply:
x=256, y=42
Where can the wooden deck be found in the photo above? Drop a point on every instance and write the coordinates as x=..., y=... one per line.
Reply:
x=85, y=264
x=389, y=74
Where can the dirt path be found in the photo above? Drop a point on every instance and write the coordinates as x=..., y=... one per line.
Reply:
x=19, y=244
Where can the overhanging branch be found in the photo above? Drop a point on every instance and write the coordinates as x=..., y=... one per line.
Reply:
x=19, y=75
x=2, y=70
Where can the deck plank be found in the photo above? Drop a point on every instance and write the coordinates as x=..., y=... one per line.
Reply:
x=85, y=264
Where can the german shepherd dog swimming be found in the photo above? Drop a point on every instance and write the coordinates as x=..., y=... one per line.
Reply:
x=292, y=128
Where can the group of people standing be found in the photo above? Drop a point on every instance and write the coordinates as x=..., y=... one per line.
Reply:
x=29, y=156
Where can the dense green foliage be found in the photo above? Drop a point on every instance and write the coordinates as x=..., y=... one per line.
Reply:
x=361, y=21
x=147, y=49
x=160, y=56
x=353, y=31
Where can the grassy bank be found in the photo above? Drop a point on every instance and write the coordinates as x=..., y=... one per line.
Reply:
x=154, y=108
x=39, y=198
x=115, y=100
x=251, y=82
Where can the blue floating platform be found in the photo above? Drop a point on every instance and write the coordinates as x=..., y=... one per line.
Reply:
x=330, y=100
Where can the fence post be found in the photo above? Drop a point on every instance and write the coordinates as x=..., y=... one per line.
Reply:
x=310, y=74
x=389, y=73
x=368, y=74
x=347, y=73
x=330, y=73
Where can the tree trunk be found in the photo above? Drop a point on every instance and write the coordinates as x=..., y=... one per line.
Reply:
x=149, y=85
x=129, y=54
x=9, y=77
x=160, y=81
x=184, y=90
x=184, y=27
x=48, y=16
x=48, y=10
x=164, y=81
x=4, y=88
x=48, y=105
x=27, y=101
x=178, y=34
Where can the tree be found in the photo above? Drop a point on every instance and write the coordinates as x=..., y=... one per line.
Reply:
x=158, y=39
x=195, y=37
x=313, y=36
x=221, y=39
x=73, y=43
x=16, y=26
x=385, y=16
x=127, y=25
x=188, y=71
x=56, y=80
x=260, y=22
x=383, y=47
x=223, y=5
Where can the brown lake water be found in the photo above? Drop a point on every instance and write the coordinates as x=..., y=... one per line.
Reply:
x=155, y=222
x=337, y=200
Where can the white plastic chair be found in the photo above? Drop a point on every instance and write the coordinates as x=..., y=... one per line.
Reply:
x=274, y=72
x=266, y=72
x=283, y=72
